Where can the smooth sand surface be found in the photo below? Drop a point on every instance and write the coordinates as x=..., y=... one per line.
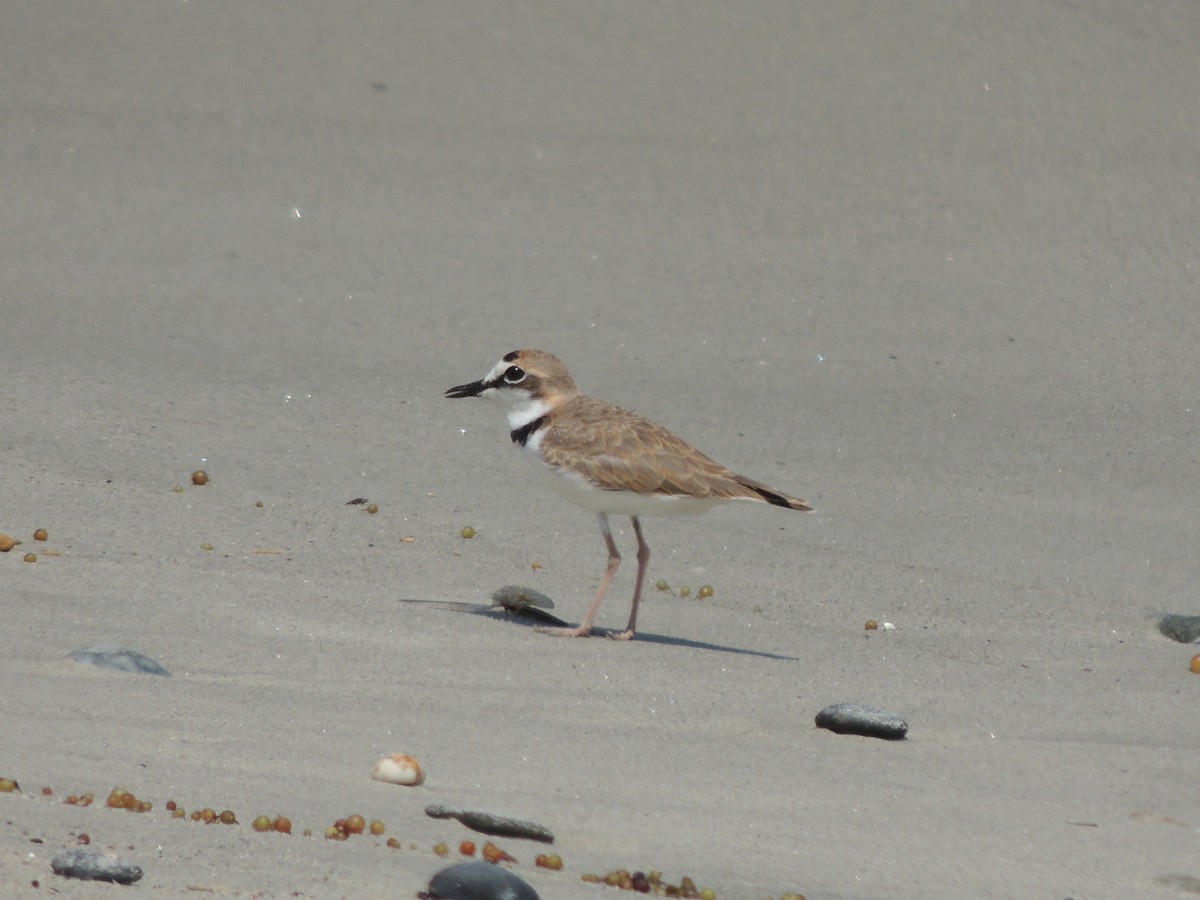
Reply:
x=931, y=266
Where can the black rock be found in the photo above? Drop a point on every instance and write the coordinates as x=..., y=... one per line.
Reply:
x=478, y=881
x=854, y=718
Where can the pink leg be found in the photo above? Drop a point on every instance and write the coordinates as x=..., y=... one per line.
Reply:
x=643, y=558
x=614, y=560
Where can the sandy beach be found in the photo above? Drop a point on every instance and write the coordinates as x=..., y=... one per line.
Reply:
x=932, y=267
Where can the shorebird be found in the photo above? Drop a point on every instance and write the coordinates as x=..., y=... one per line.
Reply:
x=609, y=460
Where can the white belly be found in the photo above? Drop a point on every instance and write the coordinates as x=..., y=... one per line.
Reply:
x=618, y=503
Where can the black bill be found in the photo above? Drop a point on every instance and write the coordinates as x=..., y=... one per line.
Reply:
x=474, y=389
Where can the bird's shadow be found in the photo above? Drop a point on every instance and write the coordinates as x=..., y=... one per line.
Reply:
x=532, y=617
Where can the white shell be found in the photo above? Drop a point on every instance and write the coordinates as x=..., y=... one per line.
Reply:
x=399, y=768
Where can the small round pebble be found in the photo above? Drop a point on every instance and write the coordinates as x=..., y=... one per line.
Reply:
x=41, y=535
x=467, y=533
x=199, y=477
x=854, y=718
x=479, y=881
x=92, y=865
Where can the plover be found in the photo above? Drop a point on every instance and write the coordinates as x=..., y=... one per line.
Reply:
x=609, y=460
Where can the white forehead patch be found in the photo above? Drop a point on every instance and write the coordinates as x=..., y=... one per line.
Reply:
x=497, y=370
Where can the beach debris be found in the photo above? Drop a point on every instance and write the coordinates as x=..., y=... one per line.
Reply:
x=519, y=600
x=41, y=535
x=208, y=816
x=399, y=768
x=550, y=861
x=92, y=865
x=516, y=598
x=489, y=823
x=199, y=477
x=1194, y=666
x=119, y=658
x=649, y=883
x=350, y=825
x=494, y=854
x=7, y=542
x=467, y=533
x=1185, y=629
x=477, y=881
x=280, y=824
x=9, y=786
x=119, y=798
x=854, y=718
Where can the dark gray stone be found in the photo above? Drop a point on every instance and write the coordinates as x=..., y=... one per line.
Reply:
x=1185, y=629
x=854, y=718
x=479, y=881
x=490, y=823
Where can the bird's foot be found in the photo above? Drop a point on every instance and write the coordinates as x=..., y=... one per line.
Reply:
x=565, y=632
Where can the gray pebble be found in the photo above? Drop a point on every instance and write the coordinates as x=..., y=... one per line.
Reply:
x=92, y=865
x=118, y=658
x=490, y=823
x=854, y=718
x=478, y=881
x=1185, y=629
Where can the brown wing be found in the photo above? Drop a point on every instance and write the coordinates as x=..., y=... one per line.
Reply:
x=622, y=451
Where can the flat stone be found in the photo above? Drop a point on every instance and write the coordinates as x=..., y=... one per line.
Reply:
x=1185, y=629
x=490, y=823
x=119, y=658
x=854, y=718
x=92, y=865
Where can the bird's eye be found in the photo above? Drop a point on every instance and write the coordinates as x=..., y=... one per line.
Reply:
x=514, y=375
